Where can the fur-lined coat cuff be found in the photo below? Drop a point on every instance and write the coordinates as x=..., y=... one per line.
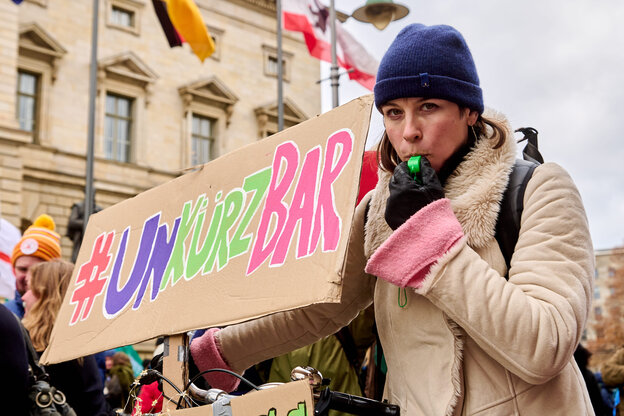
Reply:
x=406, y=257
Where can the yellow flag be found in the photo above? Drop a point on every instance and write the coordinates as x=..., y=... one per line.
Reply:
x=189, y=23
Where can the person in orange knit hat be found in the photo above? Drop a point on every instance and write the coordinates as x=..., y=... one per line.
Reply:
x=39, y=243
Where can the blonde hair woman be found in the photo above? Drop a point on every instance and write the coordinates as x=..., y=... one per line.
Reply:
x=79, y=379
x=46, y=287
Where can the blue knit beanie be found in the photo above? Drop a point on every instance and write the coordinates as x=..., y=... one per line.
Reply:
x=430, y=62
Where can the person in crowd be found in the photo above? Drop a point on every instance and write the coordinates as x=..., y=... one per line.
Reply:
x=75, y=225
x=13, y=365
x=39, y=243
x=120, y=378
x=582, y=356
x=78, y=379
x=458, y=336
x=612, y=372
x=100, y=361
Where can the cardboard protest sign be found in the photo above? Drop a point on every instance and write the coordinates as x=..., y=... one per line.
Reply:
x=289, y=399
x=260, y=230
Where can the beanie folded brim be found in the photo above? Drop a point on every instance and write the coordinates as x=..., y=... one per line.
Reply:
x=464, y=94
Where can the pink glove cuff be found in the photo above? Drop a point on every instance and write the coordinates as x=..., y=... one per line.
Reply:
x=207, y=356
x=406, y=257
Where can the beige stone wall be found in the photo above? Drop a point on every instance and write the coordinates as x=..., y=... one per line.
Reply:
x=49, y=176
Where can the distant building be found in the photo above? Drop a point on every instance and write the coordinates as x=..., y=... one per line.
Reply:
x=607, y=263
x=159, y=111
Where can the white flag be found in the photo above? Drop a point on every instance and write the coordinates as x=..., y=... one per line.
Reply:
x=9, y=237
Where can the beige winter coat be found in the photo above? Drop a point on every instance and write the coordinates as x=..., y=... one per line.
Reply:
x=468, y=342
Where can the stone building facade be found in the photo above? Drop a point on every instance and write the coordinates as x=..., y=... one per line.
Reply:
x=158, y=110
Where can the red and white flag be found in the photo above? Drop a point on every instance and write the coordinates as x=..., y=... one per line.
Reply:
x=312, y=18
x=9, y=237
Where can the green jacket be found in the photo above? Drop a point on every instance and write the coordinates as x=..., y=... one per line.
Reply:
x=328, y=357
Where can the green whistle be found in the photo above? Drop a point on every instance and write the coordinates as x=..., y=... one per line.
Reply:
x=413, y=164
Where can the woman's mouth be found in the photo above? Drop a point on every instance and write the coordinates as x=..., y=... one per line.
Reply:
x=415, y=154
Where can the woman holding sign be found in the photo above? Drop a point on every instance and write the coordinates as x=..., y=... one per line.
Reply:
x=461, y=333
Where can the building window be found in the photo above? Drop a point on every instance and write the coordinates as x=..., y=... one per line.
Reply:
x=596, y=293
x=122, y=17
x=27, y=100
x=125, y=85
x=38, y=62
x=270, y=62
x=118, y=128
x=208, y=105
x=598, y=311
x=272, y=66
x=216, y=35
x=202, y=147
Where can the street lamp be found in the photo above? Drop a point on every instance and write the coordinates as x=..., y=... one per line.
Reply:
x=380, y=13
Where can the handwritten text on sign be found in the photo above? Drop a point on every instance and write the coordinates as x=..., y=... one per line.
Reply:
x=164, y=254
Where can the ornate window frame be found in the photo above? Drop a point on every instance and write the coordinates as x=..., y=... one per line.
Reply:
x=266, y=117
x=208, y=97
x=269, y=53
x=135, y=7
x=217, y=37
x=39, y=53
x=127, y=75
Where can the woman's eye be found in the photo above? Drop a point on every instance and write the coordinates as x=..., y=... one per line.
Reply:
x=428, y=106
x=393, y=112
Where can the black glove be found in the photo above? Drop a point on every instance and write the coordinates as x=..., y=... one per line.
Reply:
x=407, y=196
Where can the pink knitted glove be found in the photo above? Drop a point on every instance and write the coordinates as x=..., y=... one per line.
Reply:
x=206, y=355
x=405, y=258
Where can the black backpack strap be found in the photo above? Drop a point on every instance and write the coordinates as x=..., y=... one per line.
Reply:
x=33, y=358
x=508, y=222
x=512, y=205
x=530, y=151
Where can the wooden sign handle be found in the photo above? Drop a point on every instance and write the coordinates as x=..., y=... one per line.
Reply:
x=175, y=364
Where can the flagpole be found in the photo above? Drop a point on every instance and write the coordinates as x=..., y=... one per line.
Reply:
x=333, y=72
x=89, y=192
x=280, y=75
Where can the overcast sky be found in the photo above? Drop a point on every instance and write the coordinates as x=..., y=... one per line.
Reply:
x=556, y=65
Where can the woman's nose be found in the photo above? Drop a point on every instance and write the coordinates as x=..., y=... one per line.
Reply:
x=411, y=129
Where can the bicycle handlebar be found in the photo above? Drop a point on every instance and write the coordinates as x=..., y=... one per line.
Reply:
x=354, y=405
x=326, y=399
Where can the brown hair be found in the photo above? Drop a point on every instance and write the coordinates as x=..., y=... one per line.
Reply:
x=48, y=282
x=497, y=133
x=121, y=358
